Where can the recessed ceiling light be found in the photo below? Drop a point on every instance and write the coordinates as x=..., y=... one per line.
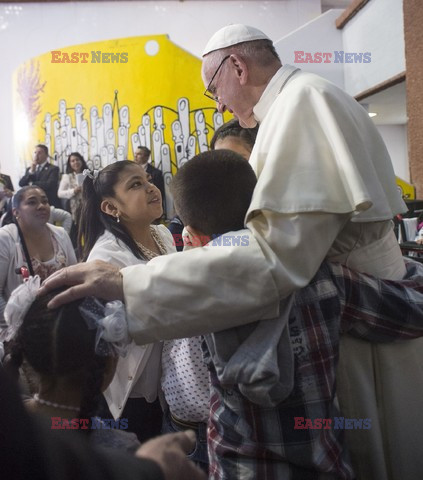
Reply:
x=372, y=114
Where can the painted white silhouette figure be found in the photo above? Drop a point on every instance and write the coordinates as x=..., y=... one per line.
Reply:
x=108, y=117
x=101, y=144
x=183, y=117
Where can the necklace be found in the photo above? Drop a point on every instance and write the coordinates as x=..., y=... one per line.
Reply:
x=55, y=405
x=149, y=254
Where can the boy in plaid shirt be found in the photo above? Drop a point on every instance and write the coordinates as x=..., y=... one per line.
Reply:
x=273, y=411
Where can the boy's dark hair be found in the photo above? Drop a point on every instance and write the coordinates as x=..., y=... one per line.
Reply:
x=58, y=343
x=212, y=192
x=234, y=129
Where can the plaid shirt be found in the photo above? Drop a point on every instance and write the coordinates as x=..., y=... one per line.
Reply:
x=249, y=441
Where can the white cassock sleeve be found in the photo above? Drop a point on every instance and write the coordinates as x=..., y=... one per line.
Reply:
x=295, y=245
x=199, y=291
x=213, y=288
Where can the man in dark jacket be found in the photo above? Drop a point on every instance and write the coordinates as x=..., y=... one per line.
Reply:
x=43, y=174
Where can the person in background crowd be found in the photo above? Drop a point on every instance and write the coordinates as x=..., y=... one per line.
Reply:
x=70, y=189
x=43, y=174
x=59, y=217
x=232, y=136
x=6, y=192
x=6, y=184
x=29, y=245
x=419, y=236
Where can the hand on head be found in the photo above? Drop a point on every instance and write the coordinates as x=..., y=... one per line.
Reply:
x=98, y=279
x=169, y=452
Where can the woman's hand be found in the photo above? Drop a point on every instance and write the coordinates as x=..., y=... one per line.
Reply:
x=98, y=279
x=77, y=189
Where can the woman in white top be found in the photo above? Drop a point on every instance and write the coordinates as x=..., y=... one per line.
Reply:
x=119, y=205
x=29, y=245
x=70, y=188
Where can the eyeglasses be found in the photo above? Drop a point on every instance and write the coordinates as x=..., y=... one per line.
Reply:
x=208, y=93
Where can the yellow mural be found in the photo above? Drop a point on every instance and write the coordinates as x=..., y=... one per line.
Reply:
x=106, y=98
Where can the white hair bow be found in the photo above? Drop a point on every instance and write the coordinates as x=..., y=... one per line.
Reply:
x=93, y=175
x=18, y=305
x=109, y=319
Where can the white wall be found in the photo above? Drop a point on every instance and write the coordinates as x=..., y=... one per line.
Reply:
x=28, y=30
x=377, y=28
x=319, y=35
x=395, y=138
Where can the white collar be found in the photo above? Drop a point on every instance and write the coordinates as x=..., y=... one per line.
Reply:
x=273, y=89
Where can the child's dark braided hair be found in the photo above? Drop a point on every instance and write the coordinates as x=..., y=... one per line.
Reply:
x=57, y=343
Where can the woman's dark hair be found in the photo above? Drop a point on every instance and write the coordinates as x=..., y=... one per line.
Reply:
x=15, y=202
x=93, y=222
x=58, y=343
x=78, y=155
x=234, y=129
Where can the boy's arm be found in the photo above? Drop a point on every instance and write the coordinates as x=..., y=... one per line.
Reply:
x=381, y=310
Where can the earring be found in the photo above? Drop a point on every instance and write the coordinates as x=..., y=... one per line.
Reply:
x=117, y=217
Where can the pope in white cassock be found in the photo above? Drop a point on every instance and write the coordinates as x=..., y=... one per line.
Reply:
x=326, y=190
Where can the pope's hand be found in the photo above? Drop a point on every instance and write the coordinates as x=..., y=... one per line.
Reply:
x=169, y=451
x=98, y=279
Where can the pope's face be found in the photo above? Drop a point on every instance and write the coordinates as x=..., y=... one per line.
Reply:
x=229, y=93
